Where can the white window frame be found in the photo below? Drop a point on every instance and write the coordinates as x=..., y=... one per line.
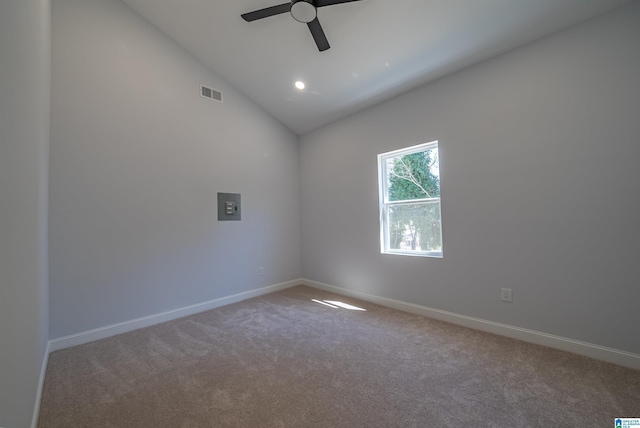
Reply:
x=383, y=188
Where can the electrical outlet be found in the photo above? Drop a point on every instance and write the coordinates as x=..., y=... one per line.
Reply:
x=260, y=271
x=507, y=295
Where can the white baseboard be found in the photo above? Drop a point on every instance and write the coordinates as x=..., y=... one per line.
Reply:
x=126, y=326
x=43, y=372
x=591, y=350
x=603, y=353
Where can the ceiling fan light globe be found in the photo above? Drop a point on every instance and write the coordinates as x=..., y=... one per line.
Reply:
x=303, y=11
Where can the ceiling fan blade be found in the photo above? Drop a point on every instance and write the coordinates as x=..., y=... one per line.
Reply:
x=322, y=3
x=267, y=12
x=318, y=35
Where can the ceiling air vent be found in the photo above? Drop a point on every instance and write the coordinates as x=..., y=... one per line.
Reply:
x=210, y=93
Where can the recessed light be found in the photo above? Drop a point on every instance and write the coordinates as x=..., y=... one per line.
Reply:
x=300, y=85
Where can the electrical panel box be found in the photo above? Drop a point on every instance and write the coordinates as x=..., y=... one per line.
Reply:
x=229, y=206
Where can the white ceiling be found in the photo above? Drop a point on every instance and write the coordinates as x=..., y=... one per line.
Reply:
x=379, y=48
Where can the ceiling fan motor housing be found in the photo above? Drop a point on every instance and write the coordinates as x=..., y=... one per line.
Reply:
x=303, y=11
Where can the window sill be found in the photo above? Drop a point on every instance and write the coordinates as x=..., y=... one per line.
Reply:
x=432, y=255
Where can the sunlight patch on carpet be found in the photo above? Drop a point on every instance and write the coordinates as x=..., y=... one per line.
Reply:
x=336, y=304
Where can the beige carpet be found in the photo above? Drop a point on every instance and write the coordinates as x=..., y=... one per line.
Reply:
x=283, y=360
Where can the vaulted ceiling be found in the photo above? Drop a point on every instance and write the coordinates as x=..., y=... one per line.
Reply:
x=379, y=48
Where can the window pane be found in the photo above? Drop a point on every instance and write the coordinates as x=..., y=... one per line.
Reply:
x=415, y=227
x=413, y=176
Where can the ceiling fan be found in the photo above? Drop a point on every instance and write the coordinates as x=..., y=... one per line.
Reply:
x=304, y=11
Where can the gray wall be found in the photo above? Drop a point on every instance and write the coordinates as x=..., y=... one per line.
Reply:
x=25, y=52
x=539, y=168
x=137, y=158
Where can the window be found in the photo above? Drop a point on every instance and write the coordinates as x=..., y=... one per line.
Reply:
x=409, y=183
